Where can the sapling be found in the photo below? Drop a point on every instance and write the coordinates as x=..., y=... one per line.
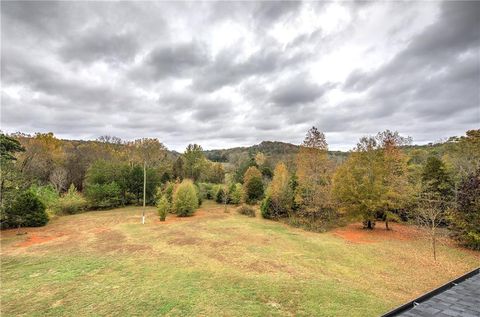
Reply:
x=163, y=207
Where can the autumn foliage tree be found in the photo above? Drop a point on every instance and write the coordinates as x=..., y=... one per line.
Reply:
x=253, y=185
x=358, y=182
x=396, y=182
x=373, y=180
x=42, y=154
x=278, y=201
x=466, y=218
x=314, y=176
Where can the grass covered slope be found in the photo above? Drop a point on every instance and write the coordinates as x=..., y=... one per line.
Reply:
x=215, y=263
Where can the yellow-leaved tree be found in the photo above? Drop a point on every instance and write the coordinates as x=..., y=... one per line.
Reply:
x=314, y=176
x=373, y=181
x=278, y=201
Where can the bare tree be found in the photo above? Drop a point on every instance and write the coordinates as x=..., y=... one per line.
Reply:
x=430, y=213
x=58, y=178
x=109, y=139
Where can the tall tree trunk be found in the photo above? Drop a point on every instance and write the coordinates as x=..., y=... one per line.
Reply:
x=370, y=224
x=1, y=191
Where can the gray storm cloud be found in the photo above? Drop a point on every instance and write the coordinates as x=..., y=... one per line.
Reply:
x=235, y=73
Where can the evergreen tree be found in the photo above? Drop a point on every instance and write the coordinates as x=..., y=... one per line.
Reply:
x=436, y=179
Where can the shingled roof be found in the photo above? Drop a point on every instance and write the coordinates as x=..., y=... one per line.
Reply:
x=460, y=297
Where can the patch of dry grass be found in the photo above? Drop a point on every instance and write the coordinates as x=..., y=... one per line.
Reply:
x=215, y=263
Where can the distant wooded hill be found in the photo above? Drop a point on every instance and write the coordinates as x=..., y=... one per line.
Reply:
x=272, y=149
x=281, y=151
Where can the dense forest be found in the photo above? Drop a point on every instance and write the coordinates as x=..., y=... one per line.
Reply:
x=384, y=178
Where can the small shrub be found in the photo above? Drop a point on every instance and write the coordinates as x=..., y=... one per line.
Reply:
x=220, y=195
x=104, y=195
x=27, y=210
x=267, y=208
x=272, y=209
x=199, y=195
x=168, y=191
x=235, y=193
x=71, y=202
x=205, y=190
x=246, y=210
x=212, y=193
x=185, y=199
x=163, y=207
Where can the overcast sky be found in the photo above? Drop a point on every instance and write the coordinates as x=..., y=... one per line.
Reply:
x=226, y=74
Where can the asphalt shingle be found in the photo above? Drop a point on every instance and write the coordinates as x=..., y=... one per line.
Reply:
x=462, y=300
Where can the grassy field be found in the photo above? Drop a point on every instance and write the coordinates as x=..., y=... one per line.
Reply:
x=105, y=263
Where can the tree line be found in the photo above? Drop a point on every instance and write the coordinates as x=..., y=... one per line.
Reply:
x=383, y=178
x=379, y=181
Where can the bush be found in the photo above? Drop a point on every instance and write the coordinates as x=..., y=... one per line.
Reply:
x=47, y=195
x=199, y=196
x=72, y=202
x=253, y=185
x=246, y=210
x=267, y=208
x=212, y=193
x=168, y=191
x=27, y=210
x=272, y=209
x=221, y=195
x=163, y=207
x=104, y=195
x=205, y=190
x=185, y=199
x=235, y=193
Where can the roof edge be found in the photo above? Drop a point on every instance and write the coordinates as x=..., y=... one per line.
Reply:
x=424, y=297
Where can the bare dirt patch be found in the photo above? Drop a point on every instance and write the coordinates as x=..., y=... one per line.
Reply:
x=38, y=239
x=356, y=234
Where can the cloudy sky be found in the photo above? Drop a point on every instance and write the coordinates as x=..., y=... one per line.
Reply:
x=227, y=74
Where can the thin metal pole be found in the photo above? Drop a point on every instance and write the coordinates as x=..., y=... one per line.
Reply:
x=144, y=189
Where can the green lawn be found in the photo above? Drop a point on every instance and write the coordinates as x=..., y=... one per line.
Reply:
x=105, y=263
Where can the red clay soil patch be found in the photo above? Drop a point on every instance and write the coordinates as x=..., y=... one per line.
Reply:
x=35, y=239
x=356, y=234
